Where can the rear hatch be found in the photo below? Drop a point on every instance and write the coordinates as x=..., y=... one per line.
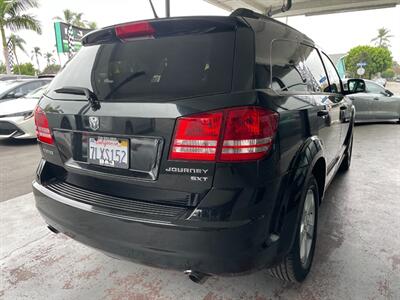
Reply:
x=143, y=77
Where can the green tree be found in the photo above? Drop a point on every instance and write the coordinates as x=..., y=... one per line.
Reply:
x=51, y=69
x=76, y=19
x=383, y=38
x=91, y=25
x=49, y=58
x=378, y=59
x=35, y=54
x=2, y=68
x=26, y=69
x=388, y=74
x=396, y=67
x=14, y=18
x=68, y=16
x=17, y=42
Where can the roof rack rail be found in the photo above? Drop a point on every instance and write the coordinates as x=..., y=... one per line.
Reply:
x=247, y=13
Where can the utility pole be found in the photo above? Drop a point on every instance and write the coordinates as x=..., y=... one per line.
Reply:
x=167, y=9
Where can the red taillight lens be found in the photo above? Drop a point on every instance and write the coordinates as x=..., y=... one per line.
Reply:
x=236, y=134
x=134, y=30
x=43, y=132
x=196, y=137
x=248, y=133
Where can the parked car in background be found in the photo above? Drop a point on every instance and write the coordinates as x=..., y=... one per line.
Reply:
x=376, y=103
x=208, y=151
x=381, y=81
x=5, y=77
x=16, y=116
x=13, y=89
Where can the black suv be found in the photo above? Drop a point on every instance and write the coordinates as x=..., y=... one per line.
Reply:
x=202, y=144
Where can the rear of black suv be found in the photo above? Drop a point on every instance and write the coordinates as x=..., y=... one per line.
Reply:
x=157, y=148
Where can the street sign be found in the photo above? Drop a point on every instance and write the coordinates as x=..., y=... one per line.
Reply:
x=68, y=35
x=360, y=71
x=361, y=64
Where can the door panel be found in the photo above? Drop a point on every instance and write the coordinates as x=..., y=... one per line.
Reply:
x=364, y=106
x=386, y=108
x=330, y=128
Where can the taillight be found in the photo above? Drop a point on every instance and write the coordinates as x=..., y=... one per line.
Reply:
x=235, y=134
x=248, y=133
x=196, y=137
x=134, y=30
x=43, y=132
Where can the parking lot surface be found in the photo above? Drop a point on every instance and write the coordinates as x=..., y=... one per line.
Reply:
x=357, y=254
x=18, y=161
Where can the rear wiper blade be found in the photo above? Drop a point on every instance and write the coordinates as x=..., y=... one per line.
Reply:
x=125, y=81
x=77, y=90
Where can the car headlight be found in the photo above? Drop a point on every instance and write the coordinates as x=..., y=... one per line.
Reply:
x=26, y=114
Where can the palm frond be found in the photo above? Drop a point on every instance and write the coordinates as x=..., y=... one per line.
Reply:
x=17, y=42
x=15, y=7
x=24, y=21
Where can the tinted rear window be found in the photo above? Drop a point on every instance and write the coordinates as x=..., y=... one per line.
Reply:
x=152, y=69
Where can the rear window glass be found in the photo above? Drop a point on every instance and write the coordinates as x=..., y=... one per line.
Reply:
x=151, y=69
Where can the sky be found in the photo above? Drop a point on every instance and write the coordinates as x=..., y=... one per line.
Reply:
x=335, y=33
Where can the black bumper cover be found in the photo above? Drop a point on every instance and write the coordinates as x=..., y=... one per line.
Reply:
x=217, y=248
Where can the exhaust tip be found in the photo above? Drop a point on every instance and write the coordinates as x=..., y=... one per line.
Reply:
x=196, y=277
x=52, y=229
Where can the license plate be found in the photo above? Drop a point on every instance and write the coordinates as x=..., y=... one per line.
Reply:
x=109, y=151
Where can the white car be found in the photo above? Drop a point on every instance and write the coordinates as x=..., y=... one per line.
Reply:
x=16, y=116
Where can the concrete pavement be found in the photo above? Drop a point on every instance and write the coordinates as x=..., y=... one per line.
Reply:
x=357, y=254
x=18, y=162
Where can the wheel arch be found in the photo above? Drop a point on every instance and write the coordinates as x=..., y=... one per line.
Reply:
x=309, y=161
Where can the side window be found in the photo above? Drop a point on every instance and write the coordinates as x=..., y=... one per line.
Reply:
x=333, y=76
x=355, y=86
x=374, y=88
x=26, y=88
x=288, y=70
x=318, y=81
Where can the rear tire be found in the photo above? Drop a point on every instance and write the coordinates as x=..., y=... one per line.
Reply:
x=297, y=264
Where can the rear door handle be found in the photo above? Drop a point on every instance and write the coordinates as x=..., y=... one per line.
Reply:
x=322, y=113
x=376, y=98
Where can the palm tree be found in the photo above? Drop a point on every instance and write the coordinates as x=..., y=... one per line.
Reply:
x=91, y=25
x=78, y=22
x=17, y=42
x=76, y=19
x=35, y=54
x=68, y=16
x=49, y=58
x=14, y=18
x=383, y=38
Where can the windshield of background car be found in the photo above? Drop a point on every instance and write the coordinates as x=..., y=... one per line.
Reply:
x=151, y=69
x=36, y=94
x=7, y=85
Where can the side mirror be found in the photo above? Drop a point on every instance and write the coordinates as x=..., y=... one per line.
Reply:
x=19, y=95
x=10, y=95
x=356, y=86
x=388, y=93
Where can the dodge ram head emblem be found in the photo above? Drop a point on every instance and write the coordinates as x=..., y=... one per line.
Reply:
x=94, y=123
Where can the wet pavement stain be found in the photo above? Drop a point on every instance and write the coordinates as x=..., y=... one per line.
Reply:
x=384, y=289
x=20, y=274
x=395, y=259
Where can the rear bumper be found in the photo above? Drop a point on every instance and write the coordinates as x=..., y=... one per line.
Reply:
x=212, y=248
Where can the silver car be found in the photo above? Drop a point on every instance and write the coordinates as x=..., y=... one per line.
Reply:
x=375, y=104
